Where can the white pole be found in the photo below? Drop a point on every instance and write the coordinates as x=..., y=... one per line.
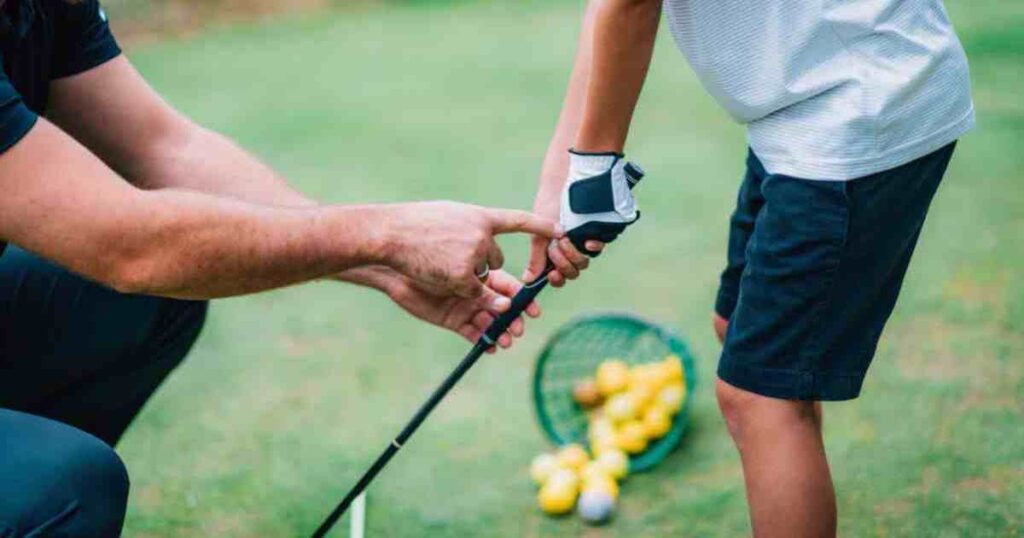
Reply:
x=358, y=520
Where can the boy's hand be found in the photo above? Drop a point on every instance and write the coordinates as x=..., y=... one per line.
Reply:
x=596, y=202
x=568, y=261
x=595, y=207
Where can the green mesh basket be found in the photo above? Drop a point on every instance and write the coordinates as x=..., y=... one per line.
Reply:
x=575, y=352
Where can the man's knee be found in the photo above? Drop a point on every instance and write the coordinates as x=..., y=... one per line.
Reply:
x=744, y=410
x=100, y=484
x=58, y=480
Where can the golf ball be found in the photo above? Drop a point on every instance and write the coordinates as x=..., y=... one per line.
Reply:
x=595, y=507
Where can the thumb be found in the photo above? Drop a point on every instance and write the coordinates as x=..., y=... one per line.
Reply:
x=538, y=258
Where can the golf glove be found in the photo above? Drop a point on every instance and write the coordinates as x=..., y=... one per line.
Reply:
x=597, y=203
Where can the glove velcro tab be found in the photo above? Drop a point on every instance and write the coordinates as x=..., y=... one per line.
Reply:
x=592, y=195
x=597, y=203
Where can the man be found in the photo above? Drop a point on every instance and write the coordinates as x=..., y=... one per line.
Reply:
x=114, y=185
x=852, y=110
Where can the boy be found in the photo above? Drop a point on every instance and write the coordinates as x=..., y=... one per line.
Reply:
x=852, y=110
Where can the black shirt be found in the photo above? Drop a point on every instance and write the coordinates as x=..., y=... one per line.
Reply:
x=42, y=40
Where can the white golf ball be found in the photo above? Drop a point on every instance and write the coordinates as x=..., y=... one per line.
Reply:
x=595, y=507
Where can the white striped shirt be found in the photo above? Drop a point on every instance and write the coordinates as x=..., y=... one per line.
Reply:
x=831, y=89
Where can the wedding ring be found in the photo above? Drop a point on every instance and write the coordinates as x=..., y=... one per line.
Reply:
x=483, y=272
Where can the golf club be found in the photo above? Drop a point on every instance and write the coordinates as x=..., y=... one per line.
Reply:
x=520, y=301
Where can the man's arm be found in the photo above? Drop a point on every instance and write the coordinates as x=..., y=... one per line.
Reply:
x=116, y=114
x=62, y=202
x=613, y=55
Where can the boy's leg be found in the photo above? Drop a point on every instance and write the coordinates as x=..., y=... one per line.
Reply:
x=814, y=271
x=721, y=325
x=83, y=354
x=789, y=486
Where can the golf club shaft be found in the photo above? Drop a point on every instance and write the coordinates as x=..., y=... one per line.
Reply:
x=520, y=301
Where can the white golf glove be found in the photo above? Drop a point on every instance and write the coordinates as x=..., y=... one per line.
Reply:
x=597, y=203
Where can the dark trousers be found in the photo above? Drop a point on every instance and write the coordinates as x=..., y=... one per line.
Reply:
x=77, y=363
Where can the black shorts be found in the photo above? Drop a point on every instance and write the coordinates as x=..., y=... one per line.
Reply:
x=814, y=270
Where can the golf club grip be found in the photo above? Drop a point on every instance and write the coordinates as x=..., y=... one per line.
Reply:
x=520, y=301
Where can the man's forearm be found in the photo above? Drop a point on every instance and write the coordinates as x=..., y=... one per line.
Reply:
x=378, y=277
x=192, y=157
x=199, y=246
x=63, y=203
x=210, y=219
x=624, y=33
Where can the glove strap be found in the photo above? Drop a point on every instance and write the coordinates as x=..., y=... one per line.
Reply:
x=592, y=195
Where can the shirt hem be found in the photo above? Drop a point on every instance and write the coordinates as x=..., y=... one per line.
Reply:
x=850, y=169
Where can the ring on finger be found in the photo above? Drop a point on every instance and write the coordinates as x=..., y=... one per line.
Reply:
x=483, y=272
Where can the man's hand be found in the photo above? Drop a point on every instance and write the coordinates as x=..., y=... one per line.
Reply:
x=445, y=245
x=467, y=317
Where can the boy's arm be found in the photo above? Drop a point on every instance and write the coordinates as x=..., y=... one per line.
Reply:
x=624, y=33
x=613, y=54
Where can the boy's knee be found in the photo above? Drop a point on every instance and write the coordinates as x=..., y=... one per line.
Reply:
x=744, y=410
x=734, y=404
x=721, y=325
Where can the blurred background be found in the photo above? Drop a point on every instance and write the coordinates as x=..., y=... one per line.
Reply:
x=289, y=395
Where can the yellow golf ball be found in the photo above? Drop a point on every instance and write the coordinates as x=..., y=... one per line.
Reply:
x=614, y=461
x=557, y=498
x=612, y=377
x=542, y=467
x=671, y=397
x=573, y=457
x=631, y=437
x=620, y=408
x=656, y=422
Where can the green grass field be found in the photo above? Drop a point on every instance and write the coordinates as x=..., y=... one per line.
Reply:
x=289, y=394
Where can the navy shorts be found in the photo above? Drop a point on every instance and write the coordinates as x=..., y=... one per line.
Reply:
x=814, y=270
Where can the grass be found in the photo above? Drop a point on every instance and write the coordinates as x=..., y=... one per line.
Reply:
x=289, y=394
